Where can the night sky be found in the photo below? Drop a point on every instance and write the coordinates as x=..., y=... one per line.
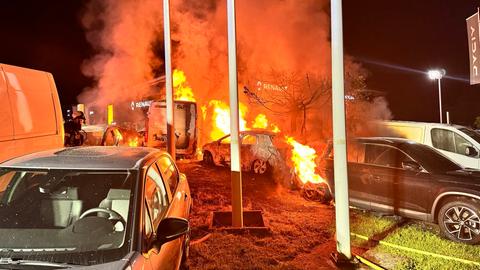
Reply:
x=395, y=40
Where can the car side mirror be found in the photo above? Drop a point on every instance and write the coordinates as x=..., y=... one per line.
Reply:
x=471, y=151
x=411, y=165
x=170, y=229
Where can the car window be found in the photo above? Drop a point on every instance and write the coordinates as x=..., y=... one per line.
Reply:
x=356, y=152
x=148, y=231
x=384, y=156
x=169, y=172
x=156, y=196
x=249, y=139
x=47, y=204
x=461, y=145
x=443, y=139
x=471, y=133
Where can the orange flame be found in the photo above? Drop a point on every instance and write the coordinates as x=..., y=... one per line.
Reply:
x=261, y=121
x=133, y=142
x=182, y=90
x=221, y=118
x=303, y=157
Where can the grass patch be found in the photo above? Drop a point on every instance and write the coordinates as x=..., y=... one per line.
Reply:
x=417, y=236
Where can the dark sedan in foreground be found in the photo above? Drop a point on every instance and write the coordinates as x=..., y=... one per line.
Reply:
x=93, y=208
x=398, y=176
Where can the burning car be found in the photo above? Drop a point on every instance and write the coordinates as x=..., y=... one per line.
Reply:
x=257, y=151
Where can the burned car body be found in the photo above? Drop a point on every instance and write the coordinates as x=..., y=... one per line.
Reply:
x=388, y=174
x=258, y=153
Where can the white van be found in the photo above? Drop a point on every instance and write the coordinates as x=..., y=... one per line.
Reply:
x=459, y=143
x=30, y=112
x=185, y=113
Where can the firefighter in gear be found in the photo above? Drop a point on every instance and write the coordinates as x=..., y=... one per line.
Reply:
x=73, y=128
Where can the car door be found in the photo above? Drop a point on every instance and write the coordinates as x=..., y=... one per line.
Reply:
x=222, y=153
x=157, y=202
x=383, y=172
x=358, y=186
x=453, y=145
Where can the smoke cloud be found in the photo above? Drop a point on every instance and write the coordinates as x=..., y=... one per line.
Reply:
x=286, y=37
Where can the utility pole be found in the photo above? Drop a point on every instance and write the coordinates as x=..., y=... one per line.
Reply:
x=342, y=218
x=168, y=80
x=236, y=172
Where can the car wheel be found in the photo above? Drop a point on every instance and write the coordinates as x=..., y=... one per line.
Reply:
x=459, y=220
x=259, y=166
x=207, y=158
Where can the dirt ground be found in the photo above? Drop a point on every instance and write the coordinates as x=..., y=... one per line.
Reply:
x=301, y=231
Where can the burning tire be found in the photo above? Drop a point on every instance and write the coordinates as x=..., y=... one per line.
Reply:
x=459, y=220
x=260, y=166
x=207, y=158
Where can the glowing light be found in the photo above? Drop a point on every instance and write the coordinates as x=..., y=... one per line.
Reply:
x=110, y=114
x=260, y=121
x=436, y=74
x=303, y=157
x=221, y=118
x=181, y=88
x=133, y=142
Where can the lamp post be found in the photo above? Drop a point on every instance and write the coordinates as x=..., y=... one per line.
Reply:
x=437, y=74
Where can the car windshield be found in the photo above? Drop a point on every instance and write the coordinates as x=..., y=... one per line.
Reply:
x=430, y=159
x=471, y=133
x=62, y=215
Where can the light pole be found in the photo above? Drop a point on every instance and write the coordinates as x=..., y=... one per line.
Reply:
x=437, y=74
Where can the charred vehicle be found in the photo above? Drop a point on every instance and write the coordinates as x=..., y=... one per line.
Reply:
x=94, y=208
x=120, y=136
x=185, y=113
x=405, y=178
x=257, y=151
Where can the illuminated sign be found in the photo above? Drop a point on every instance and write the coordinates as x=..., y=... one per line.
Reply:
x=140, y=104
x=474, y=47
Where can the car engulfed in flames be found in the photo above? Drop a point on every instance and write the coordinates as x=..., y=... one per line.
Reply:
x=258, y=153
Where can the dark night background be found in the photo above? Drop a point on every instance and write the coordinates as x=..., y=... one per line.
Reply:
x=416, y=35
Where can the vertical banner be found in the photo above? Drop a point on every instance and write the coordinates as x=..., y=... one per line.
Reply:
x=474, y=47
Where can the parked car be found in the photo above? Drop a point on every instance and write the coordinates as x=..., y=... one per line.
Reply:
x=459, y=143
x=257, y=151
x=405, y=178
x=30, y=112
x=94, y=207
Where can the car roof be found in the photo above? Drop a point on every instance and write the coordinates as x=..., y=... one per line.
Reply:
x=258, y=131
x=394, y=141
x=85, y=158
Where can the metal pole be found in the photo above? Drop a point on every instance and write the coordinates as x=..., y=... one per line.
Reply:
x=342, y=218
x=440, y=98
x=236, y=173
x=168, y=80
x=448, y=117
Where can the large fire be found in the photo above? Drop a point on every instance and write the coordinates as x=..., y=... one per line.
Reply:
x=221, y=118
x=182, y=90
x=261, y=122
x=303, y=157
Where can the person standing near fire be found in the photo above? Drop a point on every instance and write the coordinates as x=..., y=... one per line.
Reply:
x=72, y=128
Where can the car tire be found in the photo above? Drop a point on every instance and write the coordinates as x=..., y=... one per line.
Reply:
x=459, y=220
x=208, y=158
x=260, y=166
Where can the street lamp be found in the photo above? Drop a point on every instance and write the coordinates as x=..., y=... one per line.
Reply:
x=437, y=74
